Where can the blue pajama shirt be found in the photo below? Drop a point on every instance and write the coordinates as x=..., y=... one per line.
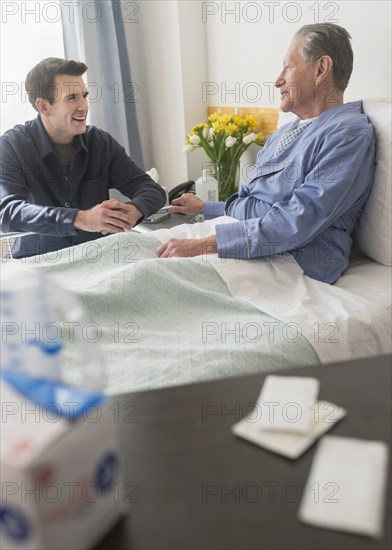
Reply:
x=307, y=200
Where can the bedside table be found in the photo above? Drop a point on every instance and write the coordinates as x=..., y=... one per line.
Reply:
x=195, y=486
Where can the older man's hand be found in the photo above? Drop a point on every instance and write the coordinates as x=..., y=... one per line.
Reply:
x=111, y=216
x=186, y=248
x=187, y=204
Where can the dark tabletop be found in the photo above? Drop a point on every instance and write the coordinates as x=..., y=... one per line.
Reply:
x=194, y=485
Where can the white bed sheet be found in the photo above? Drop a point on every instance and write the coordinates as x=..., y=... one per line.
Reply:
x=350, y=319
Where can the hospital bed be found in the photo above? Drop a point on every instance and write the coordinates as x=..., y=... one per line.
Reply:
x=163, y=323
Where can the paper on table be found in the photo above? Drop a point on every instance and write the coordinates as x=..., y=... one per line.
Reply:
x=292, y=445
x=346, y=486
x=286, y=402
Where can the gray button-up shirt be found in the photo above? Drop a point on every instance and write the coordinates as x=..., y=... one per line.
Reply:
x=38, y=194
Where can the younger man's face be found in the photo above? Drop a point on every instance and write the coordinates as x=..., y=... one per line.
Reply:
x=66, y=117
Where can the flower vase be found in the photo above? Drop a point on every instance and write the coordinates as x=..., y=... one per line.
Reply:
x=228, y=176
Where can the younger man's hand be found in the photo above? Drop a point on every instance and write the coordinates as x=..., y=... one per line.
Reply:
x=111, y=216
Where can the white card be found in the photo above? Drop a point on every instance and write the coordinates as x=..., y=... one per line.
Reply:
x=346, y=486
x=292, y=445
x=286, y=403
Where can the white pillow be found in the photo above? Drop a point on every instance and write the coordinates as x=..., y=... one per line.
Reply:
x=373, y=234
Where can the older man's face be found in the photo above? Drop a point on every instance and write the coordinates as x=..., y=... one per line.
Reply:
x=297, y=83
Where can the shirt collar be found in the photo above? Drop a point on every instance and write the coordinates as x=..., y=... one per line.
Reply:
x=82, y=140
x=43, y=142
x=41, y=138
x=307, y=120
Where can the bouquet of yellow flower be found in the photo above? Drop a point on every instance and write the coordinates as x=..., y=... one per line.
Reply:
x=225, y=138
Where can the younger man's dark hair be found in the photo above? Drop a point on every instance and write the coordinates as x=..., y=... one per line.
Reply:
x=40, y=80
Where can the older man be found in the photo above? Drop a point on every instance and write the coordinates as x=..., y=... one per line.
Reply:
x=56, y=172
x=310, y=182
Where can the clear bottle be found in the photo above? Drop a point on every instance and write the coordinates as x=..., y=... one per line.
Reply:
x=207, y=186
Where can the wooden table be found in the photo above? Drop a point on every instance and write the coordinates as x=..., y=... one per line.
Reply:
x=194, y=485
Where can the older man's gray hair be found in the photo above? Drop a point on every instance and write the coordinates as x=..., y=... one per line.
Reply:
x=328, y=39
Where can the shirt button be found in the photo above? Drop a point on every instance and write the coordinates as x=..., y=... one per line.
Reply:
x=66, y=178
x=67, y=204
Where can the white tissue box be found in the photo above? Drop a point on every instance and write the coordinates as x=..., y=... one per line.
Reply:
x=61, y=481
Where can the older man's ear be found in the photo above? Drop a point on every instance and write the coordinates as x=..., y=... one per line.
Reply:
x=325, y=69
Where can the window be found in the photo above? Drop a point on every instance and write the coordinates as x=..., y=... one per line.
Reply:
x=30, y=31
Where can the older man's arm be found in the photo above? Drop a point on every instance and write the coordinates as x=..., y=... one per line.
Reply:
x=316, y=205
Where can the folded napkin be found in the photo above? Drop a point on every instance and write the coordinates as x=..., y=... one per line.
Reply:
x=346, y=486
x=292, y=445
x=286, y=404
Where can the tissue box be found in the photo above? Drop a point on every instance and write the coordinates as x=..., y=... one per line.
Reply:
x=61, y=480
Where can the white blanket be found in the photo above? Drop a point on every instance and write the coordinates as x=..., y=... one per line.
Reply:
x=347, y=320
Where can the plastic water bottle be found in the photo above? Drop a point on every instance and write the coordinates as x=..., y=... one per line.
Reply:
x=31, y=338
x=207, y=186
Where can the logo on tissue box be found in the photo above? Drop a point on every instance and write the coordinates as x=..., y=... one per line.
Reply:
x=67, y=496
x=107, y=472
x=14, y=523
x=104, y=478
x=45, y=474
